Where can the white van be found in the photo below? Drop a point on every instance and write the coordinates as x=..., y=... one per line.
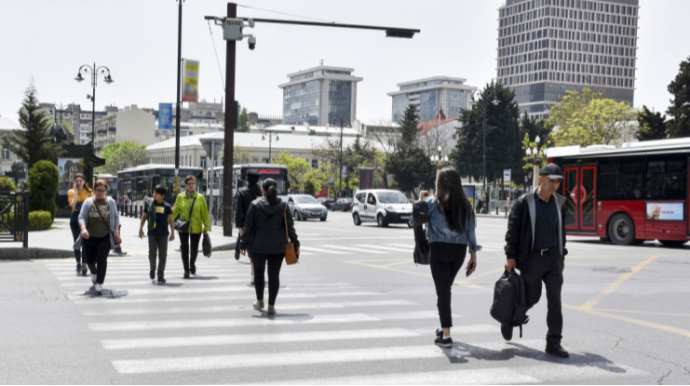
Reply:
x=382, y=206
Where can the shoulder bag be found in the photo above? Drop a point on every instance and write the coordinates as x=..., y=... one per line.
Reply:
x=184, y=226
x=290, y=254
x=107, y=224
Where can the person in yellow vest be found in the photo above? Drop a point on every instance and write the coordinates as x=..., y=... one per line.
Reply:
x=76, y=197
x=186, y=203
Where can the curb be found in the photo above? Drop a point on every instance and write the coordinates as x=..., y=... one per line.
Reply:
x=34, y=253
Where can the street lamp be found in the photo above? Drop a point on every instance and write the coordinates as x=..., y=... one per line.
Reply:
x=341, y=121
x=495, y=102
x=535, y=157
x=270, y=140
x=94, y=71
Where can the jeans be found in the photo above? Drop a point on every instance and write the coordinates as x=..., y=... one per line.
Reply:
x=98, y=249
x=184, y=248
x=549, y=269
x=76, y=231
x=274, y=264
x=445, y=261
x=158, y=244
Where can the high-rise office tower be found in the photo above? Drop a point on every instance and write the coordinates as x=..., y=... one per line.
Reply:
x=546, y=47
x=432, y=96
x=320, y=94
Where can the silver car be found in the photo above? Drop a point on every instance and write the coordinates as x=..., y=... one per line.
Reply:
x=304, y=206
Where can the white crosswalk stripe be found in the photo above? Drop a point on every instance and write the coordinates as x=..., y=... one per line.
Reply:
x=388, y=248
x=323, y=250
x=206, y=298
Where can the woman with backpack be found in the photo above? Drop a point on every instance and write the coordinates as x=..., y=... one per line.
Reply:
x=266, y=227
x=191, y=207
x=451, y=230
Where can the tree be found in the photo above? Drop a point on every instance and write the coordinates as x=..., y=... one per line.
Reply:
x=298, y=168
x=679, y=111
x=240, y=155
x=588, y=118
x=242, y=120
x=122, y=155
x=387, y=137
x=651, y=125
x=43, y=185
x=409, y=164
x=32, y=144
x=503, y=141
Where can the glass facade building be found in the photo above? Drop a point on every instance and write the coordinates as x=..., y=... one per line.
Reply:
x=547, y=47
x=319, y=95
x=430, y=96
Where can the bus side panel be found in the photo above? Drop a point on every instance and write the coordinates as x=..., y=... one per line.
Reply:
x=607, y=209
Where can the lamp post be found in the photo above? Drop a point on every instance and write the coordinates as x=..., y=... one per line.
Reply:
x=535, y=157
x=270, y=140
x=495, y=102
x=341, y=121
x=93, y=71
x=438, y=160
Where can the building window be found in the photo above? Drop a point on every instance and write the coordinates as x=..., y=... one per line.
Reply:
x=5, y=154
x=202, y=162
x=315, y=164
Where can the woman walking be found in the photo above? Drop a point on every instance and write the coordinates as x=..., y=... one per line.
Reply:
x=265, y=236
x=99, y=222
x=191, y=207
x=76, y=197
x=451, y=228
x=244, y=197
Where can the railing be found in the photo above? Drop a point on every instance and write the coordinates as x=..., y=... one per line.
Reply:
x=14, y=217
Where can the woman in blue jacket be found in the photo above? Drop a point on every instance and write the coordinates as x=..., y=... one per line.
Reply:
x=451, y=229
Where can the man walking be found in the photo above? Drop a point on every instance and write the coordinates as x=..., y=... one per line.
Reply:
x=535, y=244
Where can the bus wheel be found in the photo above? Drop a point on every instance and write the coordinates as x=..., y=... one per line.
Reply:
x=673, y=243
x=622, y=230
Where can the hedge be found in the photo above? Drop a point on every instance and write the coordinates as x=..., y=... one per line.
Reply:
x=6, y=185
x=43, y=185
x=40, y=220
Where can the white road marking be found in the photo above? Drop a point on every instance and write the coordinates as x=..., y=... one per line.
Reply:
x=395, y=249
x=321, y=250
x=361, y=250
x=226, y=297
x=124, y=283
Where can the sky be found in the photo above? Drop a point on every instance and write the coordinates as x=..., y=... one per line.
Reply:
x=47, y=41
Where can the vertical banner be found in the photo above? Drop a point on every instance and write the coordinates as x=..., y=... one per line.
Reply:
x=366, y=178
x=190, y=80
x=165, y=118
x=67, y=168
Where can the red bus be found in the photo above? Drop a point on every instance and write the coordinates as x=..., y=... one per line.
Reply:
x=628, y=195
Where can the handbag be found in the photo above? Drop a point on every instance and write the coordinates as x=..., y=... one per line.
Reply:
x=183, y=226
x=106, y=223
x=290, y=254
x=206, y=245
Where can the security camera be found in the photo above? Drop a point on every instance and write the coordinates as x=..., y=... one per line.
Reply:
x=252, y=43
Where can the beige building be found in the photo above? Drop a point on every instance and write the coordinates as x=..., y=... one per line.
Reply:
x=128, y=124
x=7, y=126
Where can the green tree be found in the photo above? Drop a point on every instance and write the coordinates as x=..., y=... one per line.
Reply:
x=242, y=120
x=122, y=155
x=679, y=111
x=43, y=185
x=651, y=125
x=6, y=185
x=409, y=164
x=240, y=155
x=503, y=141
x=32, y=144
x=298, y=168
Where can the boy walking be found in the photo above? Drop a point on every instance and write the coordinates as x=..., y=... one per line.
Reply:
x=159, y=214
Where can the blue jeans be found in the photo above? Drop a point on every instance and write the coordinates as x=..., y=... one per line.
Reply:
x=76, y=231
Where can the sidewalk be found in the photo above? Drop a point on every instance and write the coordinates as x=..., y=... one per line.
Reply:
x=57, y=242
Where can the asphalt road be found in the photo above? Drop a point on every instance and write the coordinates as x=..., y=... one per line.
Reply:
x=355, y=310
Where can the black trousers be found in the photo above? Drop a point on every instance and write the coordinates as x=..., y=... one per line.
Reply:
x=445, y=261
x=158, y=245
x=274, y=264
x=184, y=248
x=98, y=249
x=547, y=269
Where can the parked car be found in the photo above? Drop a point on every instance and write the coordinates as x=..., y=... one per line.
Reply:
x=327, y=202
x=343, y=204
x=304, y=206
x=382, y=206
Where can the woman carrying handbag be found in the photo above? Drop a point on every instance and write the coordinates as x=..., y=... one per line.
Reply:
x=194, y=217
x=266, y=231
x=99, y=222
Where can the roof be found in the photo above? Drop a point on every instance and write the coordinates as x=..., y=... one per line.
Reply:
x=304, y=130
x=424, y=127
x=308, y=70
x=252, y=165
x=156, y=166
x=627, y=148
x=463, y=80
x=7, y=124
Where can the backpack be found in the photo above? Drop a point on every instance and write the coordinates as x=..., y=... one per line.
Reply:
x=510, y=305
x=420, y=213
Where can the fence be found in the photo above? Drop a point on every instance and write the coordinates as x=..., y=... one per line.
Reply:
x=14, y=217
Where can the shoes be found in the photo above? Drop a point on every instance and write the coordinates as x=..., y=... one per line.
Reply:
x=84, y=270
x=259, y=304
x=252, y=282
x=78, y=268
x=445, y=343
x=186, y=275
x=439, y=333
x=556, y=350
x=237, y=255
x=161, y=280
x=99, y=289
x=152, y=274
x=271, y=310
x=93, y=278
x=507, y=332
x=193, y=269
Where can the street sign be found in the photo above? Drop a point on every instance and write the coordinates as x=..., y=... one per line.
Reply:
x=506, y=175
x=165, y=116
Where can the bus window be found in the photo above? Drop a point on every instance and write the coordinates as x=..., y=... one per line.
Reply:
x=666, y=178
x=620, y=178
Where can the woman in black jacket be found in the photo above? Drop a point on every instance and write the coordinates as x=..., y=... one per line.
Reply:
x=264, y=236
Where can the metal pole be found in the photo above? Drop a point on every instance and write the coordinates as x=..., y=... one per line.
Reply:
x=230, y=57
x=484, y=153
x=269, y=146
x=340, y=183
x=93, y=108
x=176, y=186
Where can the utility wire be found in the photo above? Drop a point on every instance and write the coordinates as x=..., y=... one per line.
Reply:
x=284, y=13
x=214, y=50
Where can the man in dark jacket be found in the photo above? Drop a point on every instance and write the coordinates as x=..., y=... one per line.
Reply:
x=244, y=196
x=535, y=244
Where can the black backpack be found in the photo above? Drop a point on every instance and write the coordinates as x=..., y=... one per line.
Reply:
x=420, y=212
x=510, y=305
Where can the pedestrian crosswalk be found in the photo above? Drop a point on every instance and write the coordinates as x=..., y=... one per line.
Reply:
x=326, y=331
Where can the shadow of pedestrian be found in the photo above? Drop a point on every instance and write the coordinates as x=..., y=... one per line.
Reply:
x=296, y=318
x=107, y=293
x=196, y=277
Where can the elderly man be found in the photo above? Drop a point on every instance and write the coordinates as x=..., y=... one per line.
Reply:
x=535, y=244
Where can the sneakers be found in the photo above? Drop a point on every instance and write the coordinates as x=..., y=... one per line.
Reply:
x=84, y=270
x=439, y=332
x=78, y=268
x=93, y=278
x=99, y=289
x=152, y=274
x=259, y=304
x=186, y=275
x=161, y=280
x=445, y=343
x=556, y=350
x=271, y=310
x=507, y=332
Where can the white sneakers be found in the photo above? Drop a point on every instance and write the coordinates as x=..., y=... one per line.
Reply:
x=99, y=289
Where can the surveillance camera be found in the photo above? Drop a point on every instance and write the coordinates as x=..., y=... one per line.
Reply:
x=252, y=43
